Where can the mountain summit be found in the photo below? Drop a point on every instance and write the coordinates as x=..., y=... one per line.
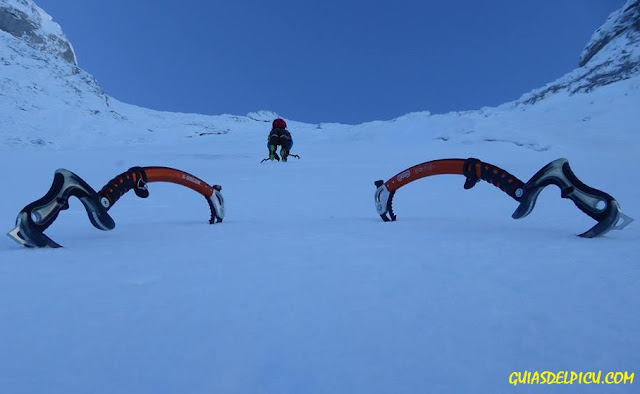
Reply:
x=26, y=21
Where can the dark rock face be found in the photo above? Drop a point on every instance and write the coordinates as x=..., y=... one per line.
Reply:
x=15, y=24
x=612, y=54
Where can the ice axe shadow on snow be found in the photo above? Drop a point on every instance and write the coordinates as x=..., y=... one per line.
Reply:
x=595, y=203
x=36, y=217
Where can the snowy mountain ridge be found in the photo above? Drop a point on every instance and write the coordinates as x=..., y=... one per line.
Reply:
x=612, y=54
x=25, y=20
x=46, y=99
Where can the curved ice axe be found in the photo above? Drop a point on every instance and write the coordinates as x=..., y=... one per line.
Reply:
x=137, y=178
x=595, y=203
x=37, y=216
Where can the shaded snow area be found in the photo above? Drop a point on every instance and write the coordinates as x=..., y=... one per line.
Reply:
x=302, y=288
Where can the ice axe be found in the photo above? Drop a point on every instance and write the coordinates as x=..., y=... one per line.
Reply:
x=595, y=203
x=37, y=216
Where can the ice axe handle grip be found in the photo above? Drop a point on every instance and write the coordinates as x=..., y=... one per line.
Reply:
x=595, y=203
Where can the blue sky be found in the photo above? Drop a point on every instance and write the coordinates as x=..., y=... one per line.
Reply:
x=326, y=61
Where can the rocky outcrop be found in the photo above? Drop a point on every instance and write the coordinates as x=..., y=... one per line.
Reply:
x=42, y=89
x=624, y=22
x=612, y=54
x=46, y=99
x=26, y=21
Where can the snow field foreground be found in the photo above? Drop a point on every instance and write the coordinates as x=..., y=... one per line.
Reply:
x=303, y=289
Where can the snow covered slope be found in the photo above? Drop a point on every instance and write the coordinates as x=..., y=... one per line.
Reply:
x=302, y=288
x=47, y=99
